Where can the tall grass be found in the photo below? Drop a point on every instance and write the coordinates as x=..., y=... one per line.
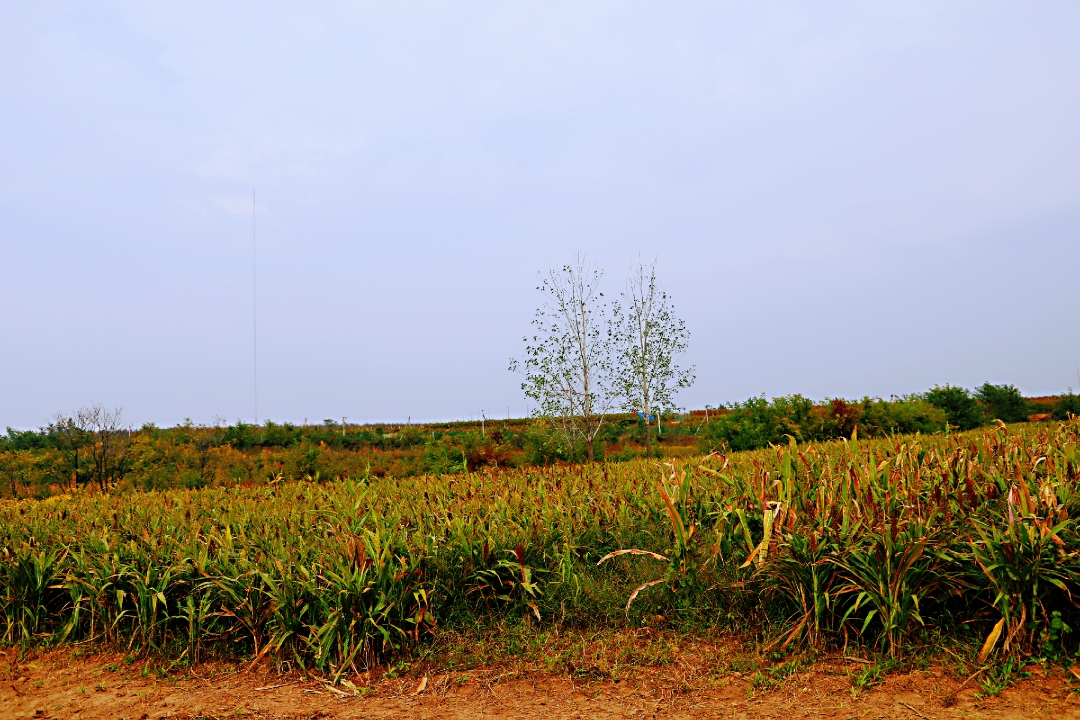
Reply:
x=872, y=542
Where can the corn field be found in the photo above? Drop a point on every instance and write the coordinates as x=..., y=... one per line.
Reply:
x=878, y=543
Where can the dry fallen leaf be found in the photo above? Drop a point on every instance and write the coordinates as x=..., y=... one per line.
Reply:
x=991, y=640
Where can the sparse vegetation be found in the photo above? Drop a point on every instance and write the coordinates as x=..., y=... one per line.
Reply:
x=66, y=456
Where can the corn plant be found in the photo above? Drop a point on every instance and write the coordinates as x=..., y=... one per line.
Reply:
x=892, y=577
x=1022, y=562
x=678, y=507
x=29, y=599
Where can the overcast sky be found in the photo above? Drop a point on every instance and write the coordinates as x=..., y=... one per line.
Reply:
x=844, y=199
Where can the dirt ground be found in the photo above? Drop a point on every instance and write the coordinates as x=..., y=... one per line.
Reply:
x=63, y=684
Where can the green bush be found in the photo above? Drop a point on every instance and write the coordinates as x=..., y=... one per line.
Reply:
x=1003, y=402
x=1065, y=405
x=904, y=417
x=746, y=426
x=543, y=446
x=961, y=409
x=443, y=458
x=757, y=423
x=794, y=415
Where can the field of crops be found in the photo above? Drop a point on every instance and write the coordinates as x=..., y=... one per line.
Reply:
x=890, y=543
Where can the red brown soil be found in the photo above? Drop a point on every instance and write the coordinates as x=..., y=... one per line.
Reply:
x=60, y=684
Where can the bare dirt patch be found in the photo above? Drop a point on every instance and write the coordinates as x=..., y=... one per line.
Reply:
x=62, y=684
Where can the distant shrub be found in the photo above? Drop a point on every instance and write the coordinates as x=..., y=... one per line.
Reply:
x=26, y=440
x=961, y=409
x=903, y=417
x=443, y=458
x=543, y=446
x=747, y=426
x=842, y=417
x=240, y=435
x=757, y=423
x=412, y=436
x=794, y=415
x=1065, y=405
x=1003, y=402
x=274, y=435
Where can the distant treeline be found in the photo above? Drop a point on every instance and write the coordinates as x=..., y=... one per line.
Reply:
x=93, y=448
x=758, y=422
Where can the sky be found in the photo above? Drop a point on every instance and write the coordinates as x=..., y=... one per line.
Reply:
x=843, y=199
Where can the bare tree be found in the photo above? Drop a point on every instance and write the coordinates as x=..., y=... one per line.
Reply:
x=648, y=339
x=108, y=454
x=568, y=361
x=100, y=437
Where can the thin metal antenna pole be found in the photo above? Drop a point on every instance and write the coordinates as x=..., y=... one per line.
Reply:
x=254, y=314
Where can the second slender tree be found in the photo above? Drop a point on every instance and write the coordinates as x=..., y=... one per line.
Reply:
x=649, y=339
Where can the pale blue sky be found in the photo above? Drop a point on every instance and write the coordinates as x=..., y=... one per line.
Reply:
x=844, y=198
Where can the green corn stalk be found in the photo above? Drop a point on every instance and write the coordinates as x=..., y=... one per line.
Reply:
x=804, y=571
x=1022, y=564
x=30, y=595
x=893, y=577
